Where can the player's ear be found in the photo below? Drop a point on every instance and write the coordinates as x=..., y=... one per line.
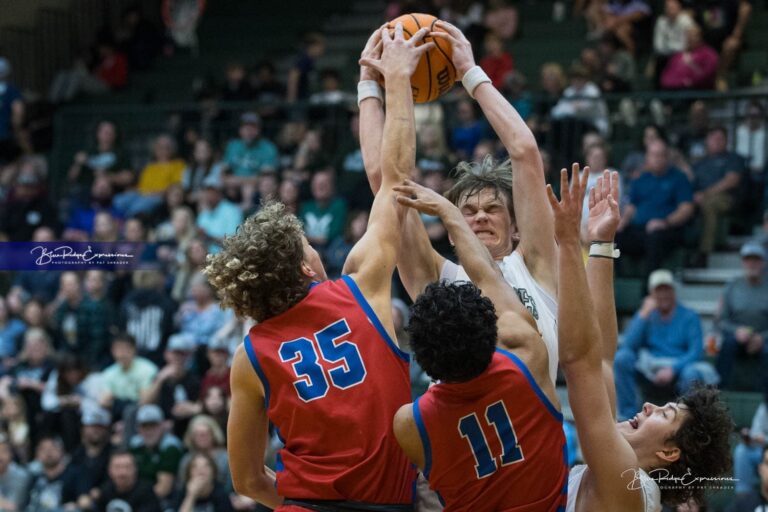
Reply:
x=307, y=270
x=669, y=454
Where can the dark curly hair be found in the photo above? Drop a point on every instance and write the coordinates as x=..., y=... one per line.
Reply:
x=473, y=177
x=453, y=331
x=258, y=271
x=703, y=439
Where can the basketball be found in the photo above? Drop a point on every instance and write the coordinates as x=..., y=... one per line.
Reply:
x=435, y=73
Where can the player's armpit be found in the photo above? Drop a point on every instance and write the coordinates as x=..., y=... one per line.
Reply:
x=407, y=434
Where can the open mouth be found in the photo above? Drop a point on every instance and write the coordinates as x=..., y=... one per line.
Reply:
x=633, y=423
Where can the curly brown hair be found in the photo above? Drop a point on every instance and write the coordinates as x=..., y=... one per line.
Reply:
x=473, y=177
x=703, y=439
x=258, y=271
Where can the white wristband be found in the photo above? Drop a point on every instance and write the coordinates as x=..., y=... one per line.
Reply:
x=369, y=89
x=472, y=78
x=604, y=250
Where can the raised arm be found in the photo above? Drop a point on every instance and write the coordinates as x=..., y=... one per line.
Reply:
x=420, y=264
x=533, y=215
x=372, y=260
x=601, y=229
x=606, y=452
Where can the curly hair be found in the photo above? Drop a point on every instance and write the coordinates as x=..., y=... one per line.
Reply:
x=453, y=331
x=258, y=271
x=703, y=440
x=473, y=177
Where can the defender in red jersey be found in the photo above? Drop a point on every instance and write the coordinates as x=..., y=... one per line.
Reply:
x=489, y=436
x=322, y=363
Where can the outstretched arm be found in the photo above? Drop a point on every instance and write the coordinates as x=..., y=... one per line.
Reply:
x=420, y=264
x=601, y=228
x=606, y=452
x=372, y=260
x=533, y=216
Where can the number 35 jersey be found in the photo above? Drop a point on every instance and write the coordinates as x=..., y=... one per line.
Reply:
x=494, y=443
x=333, y=380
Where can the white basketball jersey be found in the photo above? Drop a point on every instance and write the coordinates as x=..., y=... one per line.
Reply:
x=536, y=299
x=647, y=485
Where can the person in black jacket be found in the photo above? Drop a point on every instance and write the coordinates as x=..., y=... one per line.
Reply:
x=124, y=491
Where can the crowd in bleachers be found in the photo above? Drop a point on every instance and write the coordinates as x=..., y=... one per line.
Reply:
x=114, y=385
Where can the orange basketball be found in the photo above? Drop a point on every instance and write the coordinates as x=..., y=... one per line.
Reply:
x=435, y=73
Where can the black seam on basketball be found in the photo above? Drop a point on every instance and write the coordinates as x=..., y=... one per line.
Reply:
x=429, y=63
x=448, y=59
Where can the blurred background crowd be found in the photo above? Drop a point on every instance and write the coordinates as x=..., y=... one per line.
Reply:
x=167, y=123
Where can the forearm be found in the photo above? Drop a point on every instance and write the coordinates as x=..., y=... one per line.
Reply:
x=371, y=132
x=417, y=262
x=261, y=488
x=398, y=147
x=164, y=485
x=728, y=182
x=577, y=325
x=188, y=505
x=473, y=255
x=506, y=122
x=680, y=216
x=600, y=279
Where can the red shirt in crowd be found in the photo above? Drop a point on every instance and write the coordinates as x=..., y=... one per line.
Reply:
x=498, y=67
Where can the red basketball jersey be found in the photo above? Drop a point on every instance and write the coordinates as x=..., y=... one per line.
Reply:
x=495, y=443
x=333, y=380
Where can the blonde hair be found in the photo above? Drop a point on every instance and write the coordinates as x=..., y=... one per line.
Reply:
x=202, y=419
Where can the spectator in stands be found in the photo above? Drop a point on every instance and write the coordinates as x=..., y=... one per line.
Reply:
x=596, y=157
x=742, y=321
x=515, y=90
x=90, y=461
x=147, y=314
x=751, y=144
x=65, y=312
x=203, y=165
x=248, y=155
x=125, y=488
x=11, y=331
x=105, y=227
x=310, y=154
x=265, y=87
x=325, y=215
x=95, y=320
x=69, y=390
x=552, y=79
x=723, y=23
x=82, y=218
x=497, y=62
x=218, y=358
x=45, y=491
x=502, y=19
x=201, y=316
x=236, y=87
x=754, y=498
x=621, y=18
x=670, y=34
x=468, y=132
x=128, y=378
x=216, y=405
x=191, y=263
x=582, y=101
x=693, y=68
x=157, y=452
x=205, y=436
x=660, y=204
x=331, y=91
x=15, y=423
x=175, y=388
x=138, y=38
x=201, y=490
x=217, y=217
x=27, y=208
x=288, y=194
x=297, y=88
x=267, y=190
x=749, y=451
x=618, y=65
x=104, y=159
x=662, y=346
x=111, y=66
x=14, y=479
x=12, y=113
x=691, y=138
x=339, y=248
x=165, y=170
x=717, y=177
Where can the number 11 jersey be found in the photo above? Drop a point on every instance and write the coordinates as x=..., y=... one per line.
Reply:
x=494, y=443
x=333, y=381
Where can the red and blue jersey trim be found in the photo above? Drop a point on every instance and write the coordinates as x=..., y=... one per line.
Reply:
x=532, y=382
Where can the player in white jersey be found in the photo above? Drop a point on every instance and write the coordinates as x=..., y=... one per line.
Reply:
x=484, y=192
x=684, y=444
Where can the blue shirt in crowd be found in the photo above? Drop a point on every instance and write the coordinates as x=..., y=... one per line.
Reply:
x=246, y=160
x=8, y=94
x=678, y=337
x=655, y=197
x=711, y=169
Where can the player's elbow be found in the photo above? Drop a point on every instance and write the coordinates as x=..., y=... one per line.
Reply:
x=250, y=487
x=523, y=147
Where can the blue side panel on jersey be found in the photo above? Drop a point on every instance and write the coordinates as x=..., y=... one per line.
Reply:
x=373, y=318
x=565, y=463
x=256, y=366
x=532, y=382
x=424, y=438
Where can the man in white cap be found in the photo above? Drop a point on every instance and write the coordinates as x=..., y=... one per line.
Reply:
x=11, y=113
x=663, y=345
x=743, y=317
x=91, y=458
